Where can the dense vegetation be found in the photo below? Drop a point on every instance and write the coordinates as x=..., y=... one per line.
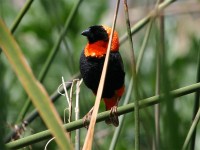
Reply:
x=177, y=42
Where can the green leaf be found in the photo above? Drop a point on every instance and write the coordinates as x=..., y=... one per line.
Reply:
x=34, y=89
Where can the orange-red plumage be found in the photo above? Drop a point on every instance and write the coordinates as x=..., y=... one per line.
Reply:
x=110, y=102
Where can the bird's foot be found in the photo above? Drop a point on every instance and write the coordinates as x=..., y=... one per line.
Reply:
x=87, y=117
x=113, y=119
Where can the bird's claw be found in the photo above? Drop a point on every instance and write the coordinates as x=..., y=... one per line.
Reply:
x=113, y=119
x=86, y=118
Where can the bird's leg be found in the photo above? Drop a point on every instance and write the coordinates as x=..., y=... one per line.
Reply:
x=113, y=119
x=87, y=118
x=113, y=116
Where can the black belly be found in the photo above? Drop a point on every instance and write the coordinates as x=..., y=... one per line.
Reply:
x=91, y=69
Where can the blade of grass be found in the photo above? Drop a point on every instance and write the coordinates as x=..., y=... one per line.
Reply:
x=33, y=88
x=90, y=134
x=38, y=137
x=135, y=80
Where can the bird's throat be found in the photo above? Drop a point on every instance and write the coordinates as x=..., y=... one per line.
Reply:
x=98, y=49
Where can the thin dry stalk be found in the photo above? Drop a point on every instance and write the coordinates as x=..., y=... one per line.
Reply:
x=77, y=115
x=89, y=137
x=45, y=148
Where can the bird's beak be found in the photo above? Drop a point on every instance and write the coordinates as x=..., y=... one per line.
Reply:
x=86, y=32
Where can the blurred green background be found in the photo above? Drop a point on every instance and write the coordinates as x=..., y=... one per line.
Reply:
x=38, y=32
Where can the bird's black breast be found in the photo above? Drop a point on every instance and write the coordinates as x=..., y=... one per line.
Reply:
x=91, y=69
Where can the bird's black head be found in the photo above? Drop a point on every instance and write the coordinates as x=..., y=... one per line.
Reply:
x=95, y=33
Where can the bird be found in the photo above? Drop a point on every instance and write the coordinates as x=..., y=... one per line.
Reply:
x=91, y=65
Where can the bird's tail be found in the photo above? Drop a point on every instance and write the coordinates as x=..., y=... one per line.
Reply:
x=113, y=101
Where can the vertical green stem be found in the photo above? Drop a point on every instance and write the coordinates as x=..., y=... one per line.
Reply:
x=13, y=28
x=192, y=129
x=127, y=98
x=161, y=49
x=58, y=42
x=3, y=107
x=135, y=85
x=144, y=44
x=20, y=16
x=196, y=103
x=157, y=106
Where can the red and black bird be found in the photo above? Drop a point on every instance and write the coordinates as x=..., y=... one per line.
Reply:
x=91, y=65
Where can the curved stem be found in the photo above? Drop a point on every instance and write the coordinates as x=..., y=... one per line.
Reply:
x=38, y=137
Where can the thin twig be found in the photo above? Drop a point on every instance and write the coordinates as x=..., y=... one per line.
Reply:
x=35, y=114
x=66, y=95
x=70, y=102
x=45, y=148
x=64, y=87
x=77, y=137
x=89, y=137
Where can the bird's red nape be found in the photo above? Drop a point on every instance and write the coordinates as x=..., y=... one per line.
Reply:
x=115, y=40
